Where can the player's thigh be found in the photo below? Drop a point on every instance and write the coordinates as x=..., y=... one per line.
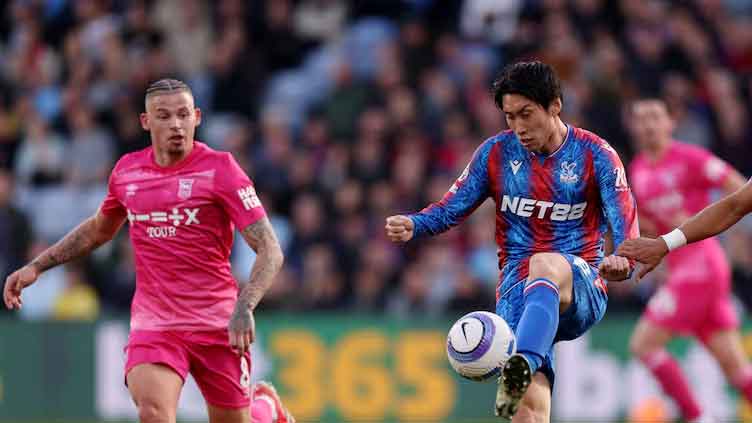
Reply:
x=648, y=337
x=535, y=406
x=223, y=376
x=155, y=389
x=555, y=268
x=228, y=415
x=726, y=347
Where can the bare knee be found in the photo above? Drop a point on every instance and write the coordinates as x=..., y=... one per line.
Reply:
x=152, y=411
x=555, y=268
x=548, y=265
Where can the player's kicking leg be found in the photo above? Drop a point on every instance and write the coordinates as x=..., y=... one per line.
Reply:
x=535, y=404
x=267, y=406
x=547, y=292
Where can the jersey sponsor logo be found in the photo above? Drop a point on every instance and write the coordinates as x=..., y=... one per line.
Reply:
x=177, y=217
x=621, y=179
x=455, y=186
x=185, y=187
x=527, y=207
x=249, y=198
x=515, y=166
x=672, y=202
x=567, y=175
x=161, y=231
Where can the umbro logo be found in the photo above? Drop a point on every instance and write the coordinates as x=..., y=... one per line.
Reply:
x=515, y=165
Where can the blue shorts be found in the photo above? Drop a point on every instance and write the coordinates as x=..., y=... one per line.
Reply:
x=589, y=300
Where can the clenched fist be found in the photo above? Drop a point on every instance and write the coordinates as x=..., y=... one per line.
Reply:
x=399, y=228
x=614, y=268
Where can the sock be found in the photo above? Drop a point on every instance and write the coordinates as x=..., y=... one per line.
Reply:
x=671, y=379
x=539, y=322
x=261, y=411
x=743, y=382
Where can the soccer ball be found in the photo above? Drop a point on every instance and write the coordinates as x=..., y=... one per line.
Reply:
x=479, y=344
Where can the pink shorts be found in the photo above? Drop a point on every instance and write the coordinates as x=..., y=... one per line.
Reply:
x=697, y=309
x=223, y=376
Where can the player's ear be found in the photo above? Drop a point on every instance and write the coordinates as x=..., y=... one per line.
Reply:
x=555, y=107
x=198, y=116
x=144, y=118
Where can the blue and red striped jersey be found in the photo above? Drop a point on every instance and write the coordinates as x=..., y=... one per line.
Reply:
x=563, y=202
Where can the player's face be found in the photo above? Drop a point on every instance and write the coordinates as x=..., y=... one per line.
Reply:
x=651, y=124
x=171, y=119
x=533, y=124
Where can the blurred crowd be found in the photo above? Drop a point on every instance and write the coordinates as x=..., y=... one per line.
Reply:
x=342, y=112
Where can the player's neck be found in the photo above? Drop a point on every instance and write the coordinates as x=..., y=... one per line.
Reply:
x=658, y=151
x=556, y=139
x=165, y=159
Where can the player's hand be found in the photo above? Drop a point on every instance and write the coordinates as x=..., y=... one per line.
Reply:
x=15, y=283
x=399, y=228
x=242, y=329
x=648, y=251
x=614, y=268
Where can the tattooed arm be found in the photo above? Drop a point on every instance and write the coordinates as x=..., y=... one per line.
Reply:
x=93, y=232
x=269, y=258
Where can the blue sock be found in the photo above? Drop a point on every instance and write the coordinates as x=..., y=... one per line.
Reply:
x=539, y=322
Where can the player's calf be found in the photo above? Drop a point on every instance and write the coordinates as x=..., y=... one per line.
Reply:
x=515, y=378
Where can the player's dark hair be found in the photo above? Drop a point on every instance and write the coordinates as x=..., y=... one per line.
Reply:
x=167, y=86
x=534, y=80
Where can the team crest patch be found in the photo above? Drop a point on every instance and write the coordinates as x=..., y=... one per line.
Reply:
x=130, y=190
x=567, y=174
x=185, y=188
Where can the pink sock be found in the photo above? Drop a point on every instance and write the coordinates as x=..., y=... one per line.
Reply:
x=670, y=376
x=743, y=382
x=261, y=411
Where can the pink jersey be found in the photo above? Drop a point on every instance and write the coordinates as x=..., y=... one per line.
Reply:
x=673, y=188
x=181, y=228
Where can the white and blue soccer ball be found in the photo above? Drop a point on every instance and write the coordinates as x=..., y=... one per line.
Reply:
x=479, y=344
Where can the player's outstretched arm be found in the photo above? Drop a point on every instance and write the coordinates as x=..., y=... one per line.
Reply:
x=468, y=192
x=261, y=238
x=709, y=222
x=90, y=234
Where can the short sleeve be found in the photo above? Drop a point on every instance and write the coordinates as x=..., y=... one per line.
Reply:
x=236, y=193
x=111, y=205
x=711, y=171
